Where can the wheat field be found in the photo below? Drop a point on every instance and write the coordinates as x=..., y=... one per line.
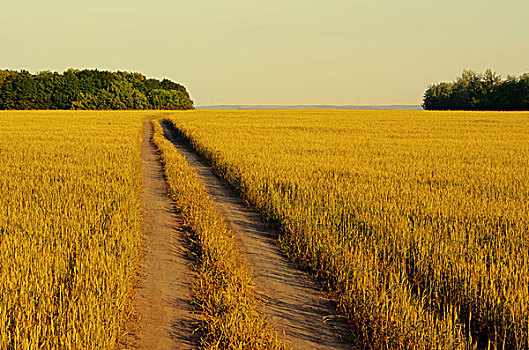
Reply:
x=416, y=222
x=69, y=227
x=71, y=240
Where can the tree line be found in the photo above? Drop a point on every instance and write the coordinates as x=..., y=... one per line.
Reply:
x=89, y=89
x=475, y=91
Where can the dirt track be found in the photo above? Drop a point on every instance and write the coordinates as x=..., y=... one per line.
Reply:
x=292, y=300
x=162, y=304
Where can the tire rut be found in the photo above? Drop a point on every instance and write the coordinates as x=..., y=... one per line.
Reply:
x=292, y=301
x=163, y=313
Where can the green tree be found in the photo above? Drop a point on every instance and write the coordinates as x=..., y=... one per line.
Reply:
x=89, y=89
x=474, y=91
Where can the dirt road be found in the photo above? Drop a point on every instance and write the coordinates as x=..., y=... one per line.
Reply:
x=162, y=302
x=292, y=301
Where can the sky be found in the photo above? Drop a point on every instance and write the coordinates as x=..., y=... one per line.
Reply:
x=339, y=52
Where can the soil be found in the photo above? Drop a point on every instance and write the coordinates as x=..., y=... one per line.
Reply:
x=164, y=317
x=292, y=301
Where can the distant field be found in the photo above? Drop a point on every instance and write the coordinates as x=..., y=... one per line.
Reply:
x=329, y=107
x=416, y=221
x=69, y=227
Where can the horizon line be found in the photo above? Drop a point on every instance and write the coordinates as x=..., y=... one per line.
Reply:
x=310, y=106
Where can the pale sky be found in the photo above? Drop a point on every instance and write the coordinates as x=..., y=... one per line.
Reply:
x=358, y=52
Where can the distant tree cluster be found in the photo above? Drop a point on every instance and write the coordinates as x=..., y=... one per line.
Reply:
x=89, y=89
x=475, y=91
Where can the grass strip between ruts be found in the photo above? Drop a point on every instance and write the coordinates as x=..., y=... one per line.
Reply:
x=231, y=315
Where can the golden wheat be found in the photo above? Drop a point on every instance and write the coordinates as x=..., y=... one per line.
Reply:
x=69, y=227
x=417, y=222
